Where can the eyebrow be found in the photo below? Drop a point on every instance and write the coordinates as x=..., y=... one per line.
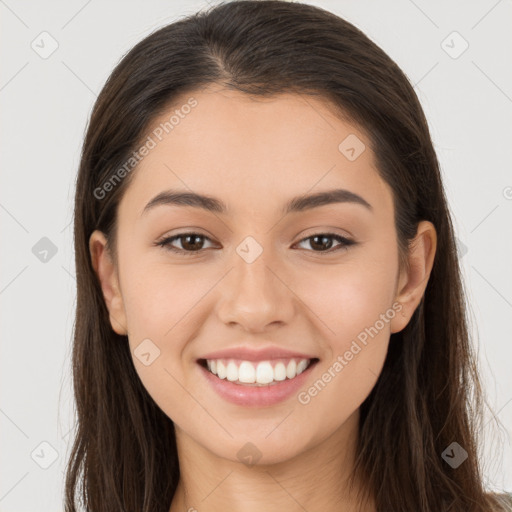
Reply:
x=296, y=204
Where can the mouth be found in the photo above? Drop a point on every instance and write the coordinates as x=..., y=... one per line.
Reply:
x=263, y=383
x=257, y=373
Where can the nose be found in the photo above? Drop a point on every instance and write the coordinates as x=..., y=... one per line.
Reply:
x=255, y=295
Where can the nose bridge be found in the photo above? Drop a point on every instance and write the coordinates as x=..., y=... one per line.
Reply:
x=252, y=276
x=253, y=295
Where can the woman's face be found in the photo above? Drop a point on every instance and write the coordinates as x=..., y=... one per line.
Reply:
x=258, y=274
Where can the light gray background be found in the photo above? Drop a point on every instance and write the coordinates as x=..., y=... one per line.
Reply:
x=45, y=104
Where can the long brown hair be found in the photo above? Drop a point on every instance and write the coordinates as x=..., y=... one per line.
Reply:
x=428, y=395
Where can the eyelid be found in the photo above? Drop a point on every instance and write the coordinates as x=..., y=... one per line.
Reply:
x=327, y=230
x=165, y=242
x=191, y=230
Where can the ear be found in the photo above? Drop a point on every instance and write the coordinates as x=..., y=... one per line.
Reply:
x=107, y=275
x=412, y=282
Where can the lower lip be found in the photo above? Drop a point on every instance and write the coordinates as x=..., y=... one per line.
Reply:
x=257, y=396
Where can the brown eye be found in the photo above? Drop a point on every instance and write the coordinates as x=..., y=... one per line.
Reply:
x=322, y=242
x=190, y=243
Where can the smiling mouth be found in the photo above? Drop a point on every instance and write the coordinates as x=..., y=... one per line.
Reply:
x=257, y=373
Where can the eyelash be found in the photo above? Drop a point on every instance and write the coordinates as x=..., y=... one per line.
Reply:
x=166, y=243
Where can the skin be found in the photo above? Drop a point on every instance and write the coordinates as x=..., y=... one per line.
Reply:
x=254, y=155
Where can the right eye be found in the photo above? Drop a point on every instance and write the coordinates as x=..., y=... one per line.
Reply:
x=189, y=242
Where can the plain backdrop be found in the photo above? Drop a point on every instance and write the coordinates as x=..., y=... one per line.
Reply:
x=457, y=54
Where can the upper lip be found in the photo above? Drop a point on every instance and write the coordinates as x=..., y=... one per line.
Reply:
x=250, y=354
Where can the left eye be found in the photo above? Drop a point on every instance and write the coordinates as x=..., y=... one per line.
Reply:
x=322, y=239
x=190, y=242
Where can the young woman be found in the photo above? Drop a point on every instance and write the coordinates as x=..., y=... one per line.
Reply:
x=270, y=313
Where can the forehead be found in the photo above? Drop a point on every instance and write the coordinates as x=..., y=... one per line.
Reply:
x=253, y=150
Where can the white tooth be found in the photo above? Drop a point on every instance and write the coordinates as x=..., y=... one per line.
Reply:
x=264, y=373
x=246, y=372
x=279, y=371
x=232, y=371
x=291, y=369
x=221, y=370
x=302, y=365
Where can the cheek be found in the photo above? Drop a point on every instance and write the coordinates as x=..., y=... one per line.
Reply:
x=165, y=307
x=342, y=384
x=354, y=307
x=357, y=311
x=346, y=299
x=159, y=309
x=158, y=299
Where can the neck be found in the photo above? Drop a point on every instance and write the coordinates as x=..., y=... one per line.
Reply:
x=316, y=479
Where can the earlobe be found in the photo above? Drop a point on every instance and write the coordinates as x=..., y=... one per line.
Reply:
x=413, y=281
x=108, y=278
